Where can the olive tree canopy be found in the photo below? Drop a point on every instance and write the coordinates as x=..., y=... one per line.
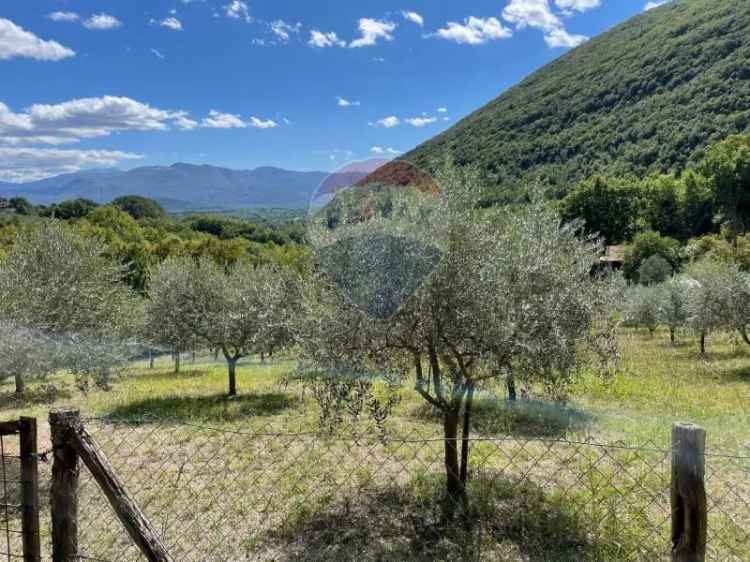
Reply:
x=57, y=284
x=240, y=310
x=476, y=295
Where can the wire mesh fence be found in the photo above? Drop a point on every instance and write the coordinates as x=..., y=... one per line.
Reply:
x=10, y=500
x=218, y=494
x=11, y=547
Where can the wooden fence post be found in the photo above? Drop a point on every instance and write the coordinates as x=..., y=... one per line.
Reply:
x=132, y=518
x=689, y=508
x=64, y=490
x=32, y=549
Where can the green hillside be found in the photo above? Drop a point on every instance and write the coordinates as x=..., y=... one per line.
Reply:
x=646, y=96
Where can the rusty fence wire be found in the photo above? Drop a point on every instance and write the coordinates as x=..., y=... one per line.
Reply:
x=260, y=494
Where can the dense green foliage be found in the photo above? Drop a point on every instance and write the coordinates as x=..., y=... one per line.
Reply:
x=139, y=235
x=139, y=207
x=648, y=96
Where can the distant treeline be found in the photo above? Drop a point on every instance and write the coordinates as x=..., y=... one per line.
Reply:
x=704, y=211
x=140, y=234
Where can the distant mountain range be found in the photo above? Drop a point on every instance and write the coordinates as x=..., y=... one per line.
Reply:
x=179, y=187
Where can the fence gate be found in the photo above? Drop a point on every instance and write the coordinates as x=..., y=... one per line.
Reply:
x=19, y=492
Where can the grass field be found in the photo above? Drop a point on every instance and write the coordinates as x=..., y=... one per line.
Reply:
x=221, y=484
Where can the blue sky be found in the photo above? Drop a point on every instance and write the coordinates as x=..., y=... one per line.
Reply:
x=304, y=85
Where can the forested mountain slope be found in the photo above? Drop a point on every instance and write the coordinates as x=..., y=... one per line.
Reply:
x=649, y=95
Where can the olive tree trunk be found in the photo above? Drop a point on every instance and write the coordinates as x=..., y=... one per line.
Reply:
x=232, y=370
x=511, y=384
x=20, y=384
x=454, y=487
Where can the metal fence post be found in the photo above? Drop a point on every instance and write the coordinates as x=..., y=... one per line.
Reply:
x=689, y=507
x=64, y=491
x=32, y=550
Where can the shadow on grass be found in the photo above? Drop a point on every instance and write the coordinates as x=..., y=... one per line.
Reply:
x=506, y=520
x=161, y=375
x=741, y=374
x=33, y=396
x=217, y=407
x=521, y=418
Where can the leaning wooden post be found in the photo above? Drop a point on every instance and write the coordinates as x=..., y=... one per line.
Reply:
x=64, y=490
x=689, y=508
x=132, y=518
x=32, y=549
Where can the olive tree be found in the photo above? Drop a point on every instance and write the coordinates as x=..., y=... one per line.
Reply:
x=674, y=308
x=169, y=308
x=472, y=295
x=643, y=307
x=654, y=270
x=240, y=311
x=25, y=353
x=710, y=299
x=58, y=284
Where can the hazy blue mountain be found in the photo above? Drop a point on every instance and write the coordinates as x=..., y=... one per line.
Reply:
x=179, y=187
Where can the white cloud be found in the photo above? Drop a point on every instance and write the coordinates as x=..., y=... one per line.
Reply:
x=372, y=30
x=63, y=16
x=219, y=120
x=100, y=22
x=84, y=118
x=442, y=110
x=570, y=6
x=385, y=150
x=421, y=121
x=17, y=42
x=261, y=124
x=413, y=17
x=561, y=38
x=238, y=10
x=539, y=15
x=474, y=31
x=655, y=4
x=284, y=30
x=28, y=164
x=183, y=122
x=531, y=13
x=170, y=23
x=158, y=54
x=342, y=102
x=387, y=122
x=321, y=39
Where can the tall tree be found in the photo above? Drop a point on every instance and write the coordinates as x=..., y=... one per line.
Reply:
x=727, y=167
x=609, y=207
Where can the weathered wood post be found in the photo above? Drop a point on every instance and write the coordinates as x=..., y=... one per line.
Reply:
x=64, y=490
x=689, y=508
x=32, y=549
x=130, y=515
